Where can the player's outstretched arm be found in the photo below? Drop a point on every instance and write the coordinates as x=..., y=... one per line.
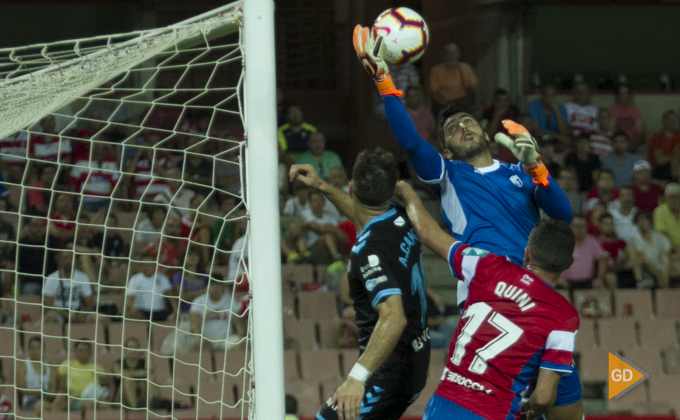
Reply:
x=543, y=396
x=421, y=154
x=388, y=330
x=340, y=199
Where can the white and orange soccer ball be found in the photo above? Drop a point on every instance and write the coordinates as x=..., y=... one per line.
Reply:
x=404, y=33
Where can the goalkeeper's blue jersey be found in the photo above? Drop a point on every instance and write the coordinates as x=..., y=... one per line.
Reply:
x=492, y=208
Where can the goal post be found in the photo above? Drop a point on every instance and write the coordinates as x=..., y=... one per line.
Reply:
x=127, y=124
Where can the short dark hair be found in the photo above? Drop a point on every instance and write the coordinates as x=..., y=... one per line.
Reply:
x=315, y=192
x=499, y=91
x=606, y=216
x=291, y=404
x=551, y=243
x=34, y=339
x=83, y=342
x=618, y=88
x=452, y=109
x=641, y=214
x=153, y=208
x=620, y=133
x=374, y=177
x=605, y=171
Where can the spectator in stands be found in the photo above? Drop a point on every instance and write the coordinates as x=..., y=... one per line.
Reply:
x=147, y=167
x=321, y=159
x=31, y=257
x=224, y=233
x=149, y=294
x=620, y=162
x=492, y=118
x=421, y=115
x=291, y=408
x=622, y=257
x=93, y=133
x=215, y=316
x=176, y=195
x=48, y=146
x=61, y=224
x=136, y=373
x=82, y=381
x=653, y=252
x=582, y=116
x=228, y=170
x=149, y=229
x=197, y=169
x=40, y=192
x=324, y=238
x=404, y=76
x=7, y=241
x=338, y=179
x=568, y=181
x=13, y=150
x=646, y=194
x=603, y=191
x=161, y=117
x=623, y=212
x=585, y=163
x=594, y=219
x=452, y=81
x=551, y=117
x=109, y=241
x=590, y=260
x=67, y=293
x=626, y=117
x=87, y=254
x=601, y=138
x=294, y=133
x=293, y=241
x=190, y=282
x=664, y=147
x=34, y=378
x=96, y=177
x=169, y=249
x=547, y=155
x=667, y=215
x=298, y=205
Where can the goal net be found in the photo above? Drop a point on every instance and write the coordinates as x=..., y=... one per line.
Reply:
x=124, y=225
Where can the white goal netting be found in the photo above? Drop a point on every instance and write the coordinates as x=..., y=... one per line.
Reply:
x=123, y=226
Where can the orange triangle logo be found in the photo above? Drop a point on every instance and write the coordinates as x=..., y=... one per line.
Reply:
x=623, y=376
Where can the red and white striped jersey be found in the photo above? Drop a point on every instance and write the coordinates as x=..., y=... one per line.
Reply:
x=56, y=150
x=96, y=178
x=13, y=149
x=582, y=118
x=146, y=183
x=601, y=143
x=513, y=324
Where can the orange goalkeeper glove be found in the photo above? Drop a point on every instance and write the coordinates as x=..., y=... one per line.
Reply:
x=525, y=149
x=370, y=55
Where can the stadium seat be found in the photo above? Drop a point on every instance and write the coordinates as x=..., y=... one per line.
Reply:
x=7, y=367
x=86, y=331
x=647, y=359
x=161, y=365
x=667, y=303
x=30, y=305
x=119, y=331
x=231, y=362
x=116, y=298
x=593, y=303
x=664, y=389
x=298, y=273
x=118, y=276
x=106, y=357
x=290, y=365
x=303, y=331
x=319, y=365
x=585, y=339
x=159, y=331
x=348, y=357
x=633, y=303
x=9, y=337
x=308, y=396
x=128, y=219
x=593, y=364
x=329, y=333
x=318, y=305
x=616, y=334
x=671, y=361
x=658, y=333
x=628, y=402
x=288, y=305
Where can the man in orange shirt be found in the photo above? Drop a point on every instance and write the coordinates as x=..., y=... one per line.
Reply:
x=452, y=81
x=664, y=148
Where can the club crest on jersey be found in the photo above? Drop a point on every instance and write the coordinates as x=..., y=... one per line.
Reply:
x=516, y=180
x=373, y=260
x=399, y=221
x=474, y=252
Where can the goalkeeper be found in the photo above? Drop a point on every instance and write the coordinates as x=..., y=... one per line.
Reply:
x=485, y=203
x=387, y=286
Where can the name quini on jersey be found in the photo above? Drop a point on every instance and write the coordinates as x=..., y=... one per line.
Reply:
x=514, y=293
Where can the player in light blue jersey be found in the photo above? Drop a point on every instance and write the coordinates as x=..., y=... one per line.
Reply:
x=485, y=203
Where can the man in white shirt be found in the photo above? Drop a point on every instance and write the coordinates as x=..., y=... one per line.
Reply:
x=149, y=229
x=215, y=316
x=298, y=205
x=623, y=211
x=147, y=296
x=238, y=258
x=582, y=115
x=67, y=292
x=324, y=238
x=653, y=250
x=175, y=195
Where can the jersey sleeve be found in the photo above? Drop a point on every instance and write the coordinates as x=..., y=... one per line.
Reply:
x=377, y=278
x=554, y=201
x=559, y=347
x=465, y=260
x=428, y=164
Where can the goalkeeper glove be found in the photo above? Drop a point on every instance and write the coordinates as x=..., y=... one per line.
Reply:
x=370, y=55
x=525, y=149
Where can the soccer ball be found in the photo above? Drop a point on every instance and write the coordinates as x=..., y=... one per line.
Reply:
x=404, y=33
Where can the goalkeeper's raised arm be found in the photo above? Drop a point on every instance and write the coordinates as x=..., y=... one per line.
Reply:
x=423, y=157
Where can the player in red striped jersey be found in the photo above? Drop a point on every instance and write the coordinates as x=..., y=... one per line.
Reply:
x=516, y=336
